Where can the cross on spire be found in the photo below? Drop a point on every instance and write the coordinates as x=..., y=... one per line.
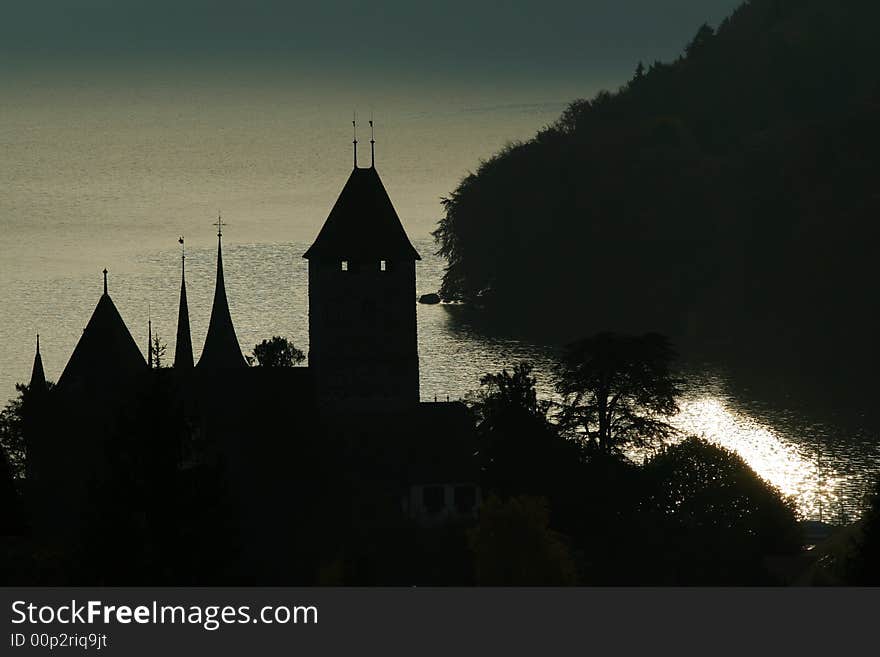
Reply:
x=218, y=223
x=105, y=280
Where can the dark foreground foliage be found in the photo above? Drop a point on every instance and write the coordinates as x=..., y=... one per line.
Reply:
x=714, y=518
x=694, y=514
x=263, y=492
x=864, y=568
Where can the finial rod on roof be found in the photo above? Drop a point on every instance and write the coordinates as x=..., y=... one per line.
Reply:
x=372, y=145
x=105, y=280
x=354, y=140
x=38, y=343
x=219, y=225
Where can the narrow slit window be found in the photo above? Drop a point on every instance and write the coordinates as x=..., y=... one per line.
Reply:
x=344, y=265
x=382, y=266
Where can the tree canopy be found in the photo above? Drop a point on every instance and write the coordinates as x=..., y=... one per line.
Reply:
x=14, y=419
x=513, y=545
x=278, y=352
x=618, y=390
x=716, y=519
x=519, y=450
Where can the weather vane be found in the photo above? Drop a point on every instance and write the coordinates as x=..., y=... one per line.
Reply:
x=354, y=140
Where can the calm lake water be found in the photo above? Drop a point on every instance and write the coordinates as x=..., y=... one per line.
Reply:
x=111, y=176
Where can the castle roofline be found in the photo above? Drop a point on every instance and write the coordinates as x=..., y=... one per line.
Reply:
x=221, y=350
x=106, y=351
x=363, y=224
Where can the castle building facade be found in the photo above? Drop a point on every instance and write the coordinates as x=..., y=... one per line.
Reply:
x=359, y=391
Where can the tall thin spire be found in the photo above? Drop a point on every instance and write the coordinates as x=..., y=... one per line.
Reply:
x=355, y=139
x=372, y=145
x=38, y=375
x=221, y=350
x=149, y=337
x=183, y=353
x=105, y=280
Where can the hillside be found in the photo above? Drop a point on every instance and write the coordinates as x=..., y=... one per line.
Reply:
x=731, y=195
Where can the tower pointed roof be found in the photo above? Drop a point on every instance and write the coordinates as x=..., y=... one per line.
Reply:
x=183, y=351
x=363, y=224
x=221, y=350
x=38, y=375
x=106, y=352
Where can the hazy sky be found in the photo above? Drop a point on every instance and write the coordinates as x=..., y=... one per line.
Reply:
x=466, y=38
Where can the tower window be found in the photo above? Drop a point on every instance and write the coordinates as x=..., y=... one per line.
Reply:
x=344, y=265
x=382, y=266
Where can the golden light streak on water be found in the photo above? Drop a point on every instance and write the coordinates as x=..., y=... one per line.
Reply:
x=786, y=465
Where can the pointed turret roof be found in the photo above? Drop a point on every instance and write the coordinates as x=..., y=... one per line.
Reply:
x=183, y=350
x=38, y=375
x=106, y=352
x=221, y=350
x=363, y=223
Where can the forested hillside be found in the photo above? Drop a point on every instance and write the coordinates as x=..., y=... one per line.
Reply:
x=730, y=195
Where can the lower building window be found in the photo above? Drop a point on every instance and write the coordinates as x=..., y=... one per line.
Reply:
x=432, y=498
x=465, y=499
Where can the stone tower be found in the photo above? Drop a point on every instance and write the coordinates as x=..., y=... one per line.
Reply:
x=362, y=302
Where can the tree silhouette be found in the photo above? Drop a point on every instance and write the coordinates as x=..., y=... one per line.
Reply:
x=618, y=390
x=13, y=428
x=510, y=392
x=640, y=71
x=159, y=349
x=278, y=352
x=715, y=518
x=10, y=504
x=519, y=450
x=701, y=39
x=12, y=438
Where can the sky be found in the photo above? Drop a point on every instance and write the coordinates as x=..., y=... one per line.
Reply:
x=581, y=39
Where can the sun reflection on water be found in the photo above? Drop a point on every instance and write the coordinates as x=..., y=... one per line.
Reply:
x=788, y=466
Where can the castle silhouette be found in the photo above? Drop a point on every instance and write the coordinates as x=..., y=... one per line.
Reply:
x=115, y=427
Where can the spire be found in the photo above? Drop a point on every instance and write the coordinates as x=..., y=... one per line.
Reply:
x=38, y=375
x=149, y=337
x=183, y=351
x=355, y=139
x=372, y=145
x=221, y=350
x=105, y=280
